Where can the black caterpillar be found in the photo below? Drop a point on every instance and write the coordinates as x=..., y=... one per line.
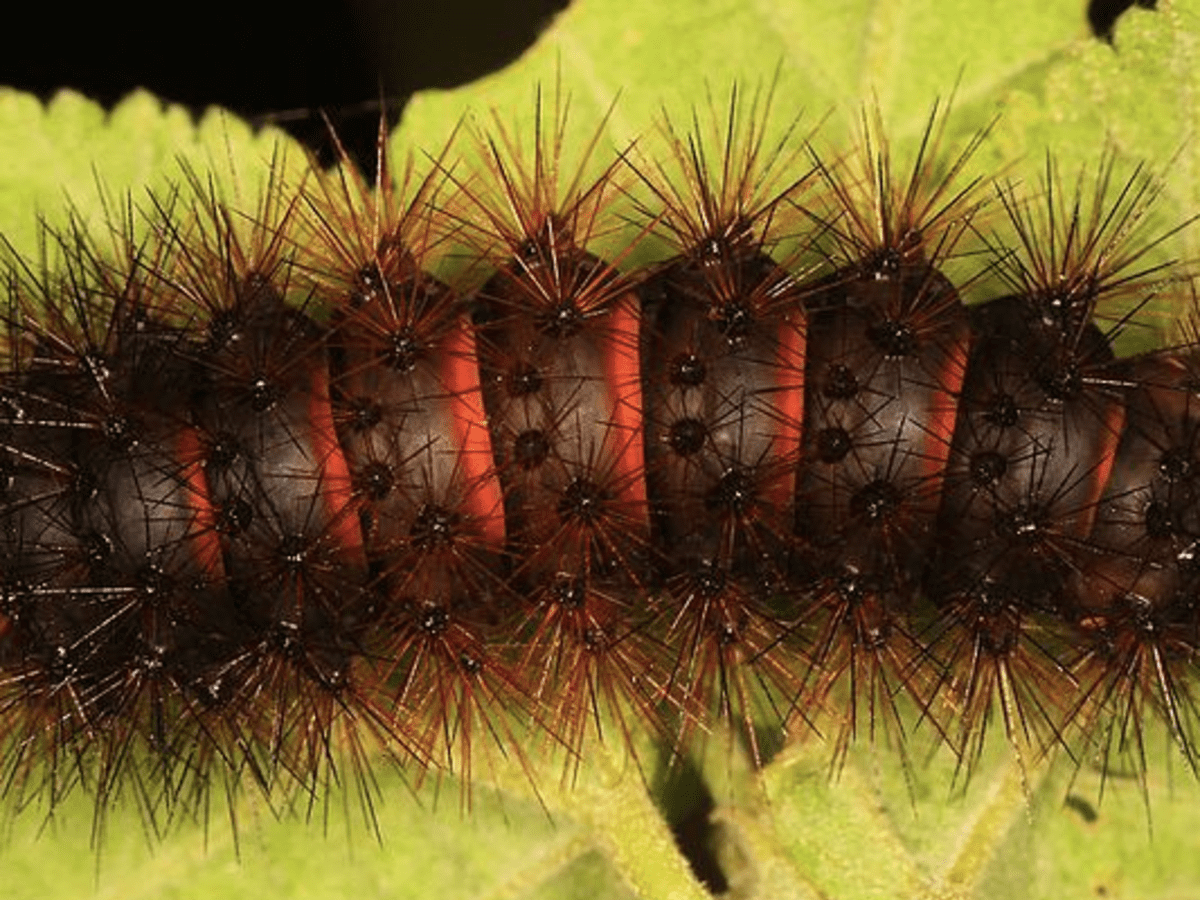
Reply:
x=278, y=498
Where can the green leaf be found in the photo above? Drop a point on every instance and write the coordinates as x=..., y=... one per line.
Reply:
x=71, y=154
x=791, y=830
x=833, y=57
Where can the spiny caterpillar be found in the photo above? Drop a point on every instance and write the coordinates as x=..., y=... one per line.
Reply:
x=286, y=493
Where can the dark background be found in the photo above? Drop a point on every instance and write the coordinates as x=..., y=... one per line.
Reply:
x=286, y=62
x=270, y=61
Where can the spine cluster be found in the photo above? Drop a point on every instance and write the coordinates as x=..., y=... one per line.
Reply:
x=277, y=496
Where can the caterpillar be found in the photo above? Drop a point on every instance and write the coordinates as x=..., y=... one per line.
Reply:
x=269, y=478
x=484, y=558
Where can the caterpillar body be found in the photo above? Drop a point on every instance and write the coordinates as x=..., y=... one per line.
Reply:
x=276, y=495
